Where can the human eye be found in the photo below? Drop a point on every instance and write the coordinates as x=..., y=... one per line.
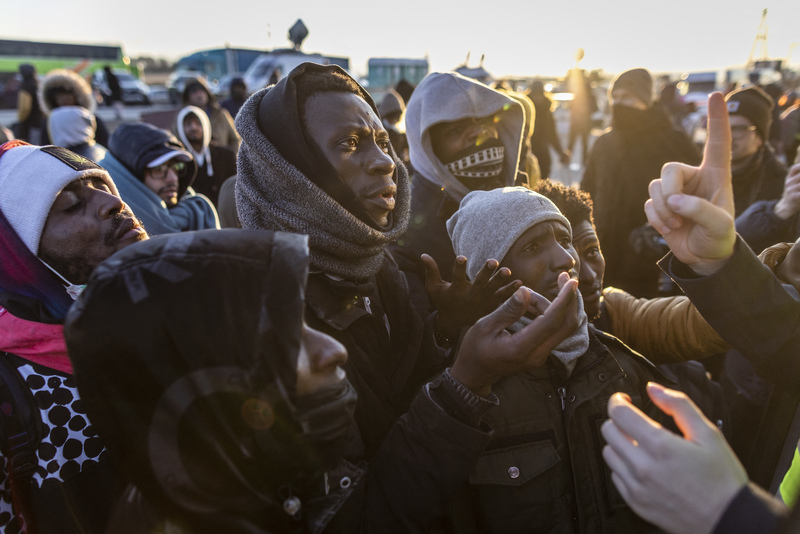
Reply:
x=592, y=252
x=350, y=142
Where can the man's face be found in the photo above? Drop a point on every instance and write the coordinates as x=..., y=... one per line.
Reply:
x=745, y=141
x=450, y=138
x=540, y=254
x=198, y=97
x=592, y=266
x=163, y=180
x=65, y=98
x=238, y=92
x=624, y=97
x=355, y=143
x=193, y=129
x=86, y=225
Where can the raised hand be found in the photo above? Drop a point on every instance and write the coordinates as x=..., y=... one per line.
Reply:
x=489, y=352
x=682, y=484
x=789, y=204
x=692, y=207
x=461, y=303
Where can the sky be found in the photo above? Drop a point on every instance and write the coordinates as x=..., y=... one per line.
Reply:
x=530, y=38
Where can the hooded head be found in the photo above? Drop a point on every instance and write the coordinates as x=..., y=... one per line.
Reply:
x=65, y=82
x=204, y=136
x=71, y=125
x=632, y=86
x=201, y=411
x=198, y=85
x=31, y=179
x=141, y=146
x=449, y=97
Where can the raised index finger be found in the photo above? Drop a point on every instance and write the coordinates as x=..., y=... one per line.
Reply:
x=717, y=153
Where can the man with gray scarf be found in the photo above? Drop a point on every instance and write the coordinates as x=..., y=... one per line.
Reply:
x=542, y=471
x=315, y=159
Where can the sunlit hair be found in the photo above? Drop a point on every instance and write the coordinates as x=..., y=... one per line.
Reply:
x=576, y=205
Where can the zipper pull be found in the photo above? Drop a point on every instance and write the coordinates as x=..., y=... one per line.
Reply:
x=562, y=394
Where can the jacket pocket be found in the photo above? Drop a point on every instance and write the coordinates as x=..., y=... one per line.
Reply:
x=516, y=487
x=515, y=466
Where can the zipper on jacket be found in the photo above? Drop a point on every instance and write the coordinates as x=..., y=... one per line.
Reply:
x=562, y=394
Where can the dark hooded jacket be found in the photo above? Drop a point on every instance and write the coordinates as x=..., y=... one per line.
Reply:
x=761, y=179
x=131, y=148
x=621, y=165
x=28, y=104
x=208, y=427
x=72, y=486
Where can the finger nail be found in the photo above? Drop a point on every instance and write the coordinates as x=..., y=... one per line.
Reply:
x=675, y=201
x=461, y=260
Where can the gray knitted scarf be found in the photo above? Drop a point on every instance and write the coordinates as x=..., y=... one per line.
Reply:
x=272, y=194
x=574, y=346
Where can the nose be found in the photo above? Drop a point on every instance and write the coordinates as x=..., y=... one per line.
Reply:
x=172, y=176
x=108, y=204
x=325, y=354
x=562, y=260
x=587, y=276
x=380, y=163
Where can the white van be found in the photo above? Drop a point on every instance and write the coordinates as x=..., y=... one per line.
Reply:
x=270, y=67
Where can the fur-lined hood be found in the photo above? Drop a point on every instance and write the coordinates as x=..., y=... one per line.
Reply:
x=70, y=80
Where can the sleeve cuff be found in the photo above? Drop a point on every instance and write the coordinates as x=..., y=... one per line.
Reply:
x=459, y=401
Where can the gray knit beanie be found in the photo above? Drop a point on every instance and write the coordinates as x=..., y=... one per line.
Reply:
x=509, y=210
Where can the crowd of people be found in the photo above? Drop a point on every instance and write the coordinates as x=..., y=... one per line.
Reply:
x=302, y=311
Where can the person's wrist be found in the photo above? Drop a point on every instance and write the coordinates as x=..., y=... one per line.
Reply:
x=782, y=210
x=707, y=268
x=473, y=381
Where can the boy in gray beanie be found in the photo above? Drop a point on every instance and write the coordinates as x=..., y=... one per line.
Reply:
x=551, y=414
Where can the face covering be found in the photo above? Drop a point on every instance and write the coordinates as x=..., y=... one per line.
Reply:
x=626, y=117
x=479, y=167
x=326, y=415
x=73, y=290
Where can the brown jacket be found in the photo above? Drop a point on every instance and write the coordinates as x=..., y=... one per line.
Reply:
x=667, y=329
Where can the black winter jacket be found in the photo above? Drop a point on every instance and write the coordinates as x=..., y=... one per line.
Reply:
x=620, y=167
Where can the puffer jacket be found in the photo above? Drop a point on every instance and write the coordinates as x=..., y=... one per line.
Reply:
x=667, y=329
x=543, y=470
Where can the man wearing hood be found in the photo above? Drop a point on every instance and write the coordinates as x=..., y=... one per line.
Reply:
x=462, y=136
x=154, y=172
x=60, y=216
x=215, y=163
x=196, y=93
x=74, y=127
x=392, y=109
x=316, y=160
x=62, y=88
x=621, y=164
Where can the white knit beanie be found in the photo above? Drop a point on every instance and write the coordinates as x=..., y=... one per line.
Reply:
x=31, y=178
x=488, y=223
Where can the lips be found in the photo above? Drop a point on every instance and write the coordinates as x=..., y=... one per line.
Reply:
x=129, y=227
x=383, y=197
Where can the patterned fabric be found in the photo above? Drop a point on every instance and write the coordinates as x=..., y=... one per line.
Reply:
x=69, y=443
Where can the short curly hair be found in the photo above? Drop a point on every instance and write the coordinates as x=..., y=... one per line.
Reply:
x=576, y=205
